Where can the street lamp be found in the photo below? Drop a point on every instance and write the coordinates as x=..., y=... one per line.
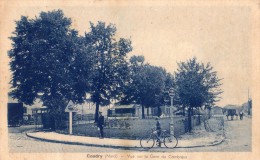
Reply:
x=166, y=108
x=171, y=94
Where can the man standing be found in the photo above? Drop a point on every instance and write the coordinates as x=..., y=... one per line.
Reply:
x=101, y=122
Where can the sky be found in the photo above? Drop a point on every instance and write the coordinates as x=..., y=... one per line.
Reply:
x=167, y=34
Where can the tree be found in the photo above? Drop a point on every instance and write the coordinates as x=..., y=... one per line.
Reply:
x=146, y=84
x=154, y=86
x=196, y=85
x=109, y=67
x=129, y=90
x=46, y=62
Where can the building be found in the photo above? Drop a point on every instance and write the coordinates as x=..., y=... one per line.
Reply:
x=15, y=114
x=216, y=110
x=135, y=111
x=27, y=108
x=87, y=110
x=124, y=111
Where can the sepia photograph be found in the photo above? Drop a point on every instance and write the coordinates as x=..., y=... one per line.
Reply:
x=129, y=80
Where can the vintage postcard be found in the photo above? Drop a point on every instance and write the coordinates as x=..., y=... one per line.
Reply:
x=129, y=80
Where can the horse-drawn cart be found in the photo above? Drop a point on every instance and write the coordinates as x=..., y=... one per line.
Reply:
x=231, y=113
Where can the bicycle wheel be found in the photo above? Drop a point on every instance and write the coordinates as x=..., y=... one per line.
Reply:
x=147, y=142
x=170, y=141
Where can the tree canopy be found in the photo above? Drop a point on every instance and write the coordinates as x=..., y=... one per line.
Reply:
x=50, y=61
x=146, y=85
x=196, y=85
x=46, y=60
x=109, y=68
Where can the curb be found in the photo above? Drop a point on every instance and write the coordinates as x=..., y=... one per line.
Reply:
x=113, y=146
x=223, y=137
x=79, y=143
x=205, y=145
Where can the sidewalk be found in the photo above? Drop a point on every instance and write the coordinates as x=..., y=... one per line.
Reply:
x=188, y=140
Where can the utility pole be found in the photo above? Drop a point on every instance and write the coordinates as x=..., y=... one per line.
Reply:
x=171, y=94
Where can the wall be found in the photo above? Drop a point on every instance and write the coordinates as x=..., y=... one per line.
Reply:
x=135, y=128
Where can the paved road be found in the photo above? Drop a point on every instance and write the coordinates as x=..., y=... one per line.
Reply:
x=238, y=139
x=238, y=136
x=19, y=142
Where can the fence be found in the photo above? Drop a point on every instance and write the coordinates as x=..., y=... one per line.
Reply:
x=136, y=128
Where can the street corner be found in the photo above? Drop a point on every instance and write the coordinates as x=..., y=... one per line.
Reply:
x=200, y=137
x=84, y=140
x=218, y=140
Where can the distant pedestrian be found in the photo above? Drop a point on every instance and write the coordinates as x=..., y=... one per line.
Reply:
x=241, y=114
x=100, y=124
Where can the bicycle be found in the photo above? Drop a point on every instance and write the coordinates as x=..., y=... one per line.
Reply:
x=169, y=141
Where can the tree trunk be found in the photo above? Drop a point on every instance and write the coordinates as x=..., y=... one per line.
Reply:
x=199, y=118
x=96, y=112
x=189, y=119
x=57, y=120
x=52, y=122
x=52, y=118
x=143, y=117
x=209, y=112
x=159, y=111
